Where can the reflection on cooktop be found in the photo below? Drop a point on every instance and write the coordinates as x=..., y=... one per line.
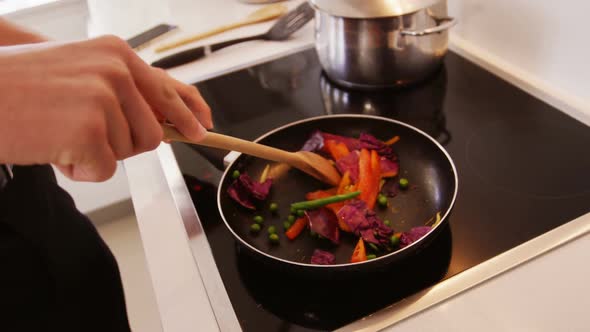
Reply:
x=328, y=304
x=530, y=161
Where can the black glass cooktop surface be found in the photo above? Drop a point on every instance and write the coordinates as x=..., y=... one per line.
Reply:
x=522, y=169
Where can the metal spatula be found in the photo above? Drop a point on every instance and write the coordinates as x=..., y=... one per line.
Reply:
x=281, y=30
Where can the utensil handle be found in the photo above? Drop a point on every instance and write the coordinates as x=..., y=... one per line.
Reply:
x=448, y=23
x=225, y=142
x=196, y=53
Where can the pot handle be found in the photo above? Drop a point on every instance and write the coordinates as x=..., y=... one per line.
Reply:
x=447, y=23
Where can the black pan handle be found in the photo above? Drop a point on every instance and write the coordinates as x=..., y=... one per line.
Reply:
x=196, y=53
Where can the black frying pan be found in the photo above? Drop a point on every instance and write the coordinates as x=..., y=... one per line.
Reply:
x=423, y=162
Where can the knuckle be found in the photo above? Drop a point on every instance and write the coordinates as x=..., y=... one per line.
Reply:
x=150, y=140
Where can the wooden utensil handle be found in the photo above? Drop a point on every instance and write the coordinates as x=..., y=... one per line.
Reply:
x=220, y=141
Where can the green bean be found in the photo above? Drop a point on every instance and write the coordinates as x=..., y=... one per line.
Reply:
x=316, y=203
x=374, y=247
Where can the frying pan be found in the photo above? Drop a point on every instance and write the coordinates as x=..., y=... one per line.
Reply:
x=423, y=161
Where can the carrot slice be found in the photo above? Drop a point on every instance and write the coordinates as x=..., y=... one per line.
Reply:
x=359, y=254
x=375, y=179
x=296, y=228
x=392, y=140
x=369, y=176
x=336, y=149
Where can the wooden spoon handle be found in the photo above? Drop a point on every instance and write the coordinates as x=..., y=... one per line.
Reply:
x=225, y=142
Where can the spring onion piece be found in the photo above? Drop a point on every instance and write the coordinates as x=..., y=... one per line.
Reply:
x=373, y=247
x=316, y=203
x=371, y=256
x=437, y=221
x=258, y=219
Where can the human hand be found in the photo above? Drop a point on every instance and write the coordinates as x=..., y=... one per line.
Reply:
x=83, y=106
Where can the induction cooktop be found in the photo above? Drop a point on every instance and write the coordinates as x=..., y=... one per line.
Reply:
x=521, y=174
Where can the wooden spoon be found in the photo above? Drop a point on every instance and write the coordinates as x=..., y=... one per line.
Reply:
x=263, y=14
x=308, y=162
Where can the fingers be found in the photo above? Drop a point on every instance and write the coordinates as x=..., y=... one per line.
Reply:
x=192, y=98
x=143, y=125
x=161, y=95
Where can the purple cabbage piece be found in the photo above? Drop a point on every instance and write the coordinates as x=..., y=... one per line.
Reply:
x=365, y=223
x=247, y=192
x=349, y=163
x=388, y=167
x=369, y=141
x=390, y=188
x=321, y=257
x=413, y=235
x=324, y=222
x=351, y=143
x=315, y=142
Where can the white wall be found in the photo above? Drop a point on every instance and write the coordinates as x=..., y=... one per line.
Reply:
x=544, y=39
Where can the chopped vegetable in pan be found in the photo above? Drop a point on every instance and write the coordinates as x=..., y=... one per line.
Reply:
x=321, y=257
x=370, y=182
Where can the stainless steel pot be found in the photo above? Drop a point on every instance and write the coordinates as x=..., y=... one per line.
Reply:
x=381, y=43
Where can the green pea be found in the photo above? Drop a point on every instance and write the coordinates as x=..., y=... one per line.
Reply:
x=387, y=222
x=291, y=218
x=272, y=230
x=371, y=256
x=300, y=213
x=274, y=207
x=293, y=210
x=394, y=241
x=258, y=219
x=404, y=183
x=235, y=174
x=287, y=225
x=374, y=247
x=382, y=201
x=255, y=228
x=274, y=238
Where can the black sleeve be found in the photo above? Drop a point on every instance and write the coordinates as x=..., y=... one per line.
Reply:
x=57, y=274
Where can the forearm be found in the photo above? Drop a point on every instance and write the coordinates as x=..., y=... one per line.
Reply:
x=11, y=34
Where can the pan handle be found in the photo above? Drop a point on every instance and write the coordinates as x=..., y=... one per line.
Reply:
x=447, y=24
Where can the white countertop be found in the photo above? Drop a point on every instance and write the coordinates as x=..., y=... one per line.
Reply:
x=548, y=293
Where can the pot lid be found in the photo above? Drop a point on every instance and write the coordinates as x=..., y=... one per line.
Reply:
x=371, y=8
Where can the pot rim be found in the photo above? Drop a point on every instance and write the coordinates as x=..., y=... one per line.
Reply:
x=363, y=9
